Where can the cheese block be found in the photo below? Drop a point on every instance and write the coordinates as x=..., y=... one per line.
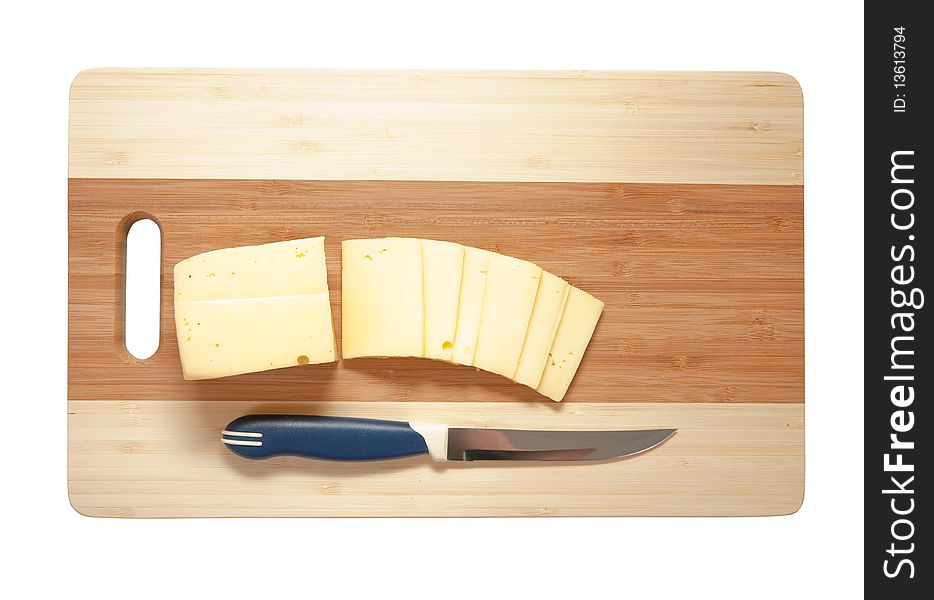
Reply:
x=511, y=287
x=473, y=285
x=442, y=266
x=578, y=321
x=382, y=297
x=546, y=315
x=253, y=308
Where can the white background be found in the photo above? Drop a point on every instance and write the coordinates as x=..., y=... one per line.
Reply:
x=48, y=548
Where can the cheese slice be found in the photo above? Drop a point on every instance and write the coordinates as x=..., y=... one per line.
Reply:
x=382, y=297
x=442, y=267
x=229, y=337
x=511, y=287
x=277, y=269
x=473, y=285
x=546, y=315
x=253, y=308
x=581, y=313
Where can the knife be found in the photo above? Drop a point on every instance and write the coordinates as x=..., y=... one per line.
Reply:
x=346, y=438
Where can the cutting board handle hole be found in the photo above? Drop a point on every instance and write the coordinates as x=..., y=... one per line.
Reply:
x=141, y=285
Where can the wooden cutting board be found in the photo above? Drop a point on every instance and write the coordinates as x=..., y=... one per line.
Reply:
x=677, y=198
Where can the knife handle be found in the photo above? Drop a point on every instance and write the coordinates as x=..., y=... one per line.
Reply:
x=331, y=438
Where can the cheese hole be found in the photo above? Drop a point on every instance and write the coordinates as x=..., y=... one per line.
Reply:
x=142, y=288
x=302, y=360
x=447, y=346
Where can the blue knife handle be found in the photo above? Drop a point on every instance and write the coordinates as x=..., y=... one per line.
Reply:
x=331, y=438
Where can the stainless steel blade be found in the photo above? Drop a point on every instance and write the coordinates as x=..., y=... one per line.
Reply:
x=522, y=444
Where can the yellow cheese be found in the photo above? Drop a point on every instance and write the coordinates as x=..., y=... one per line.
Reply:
x=581, y=313
x=382, y=304
x=229, y=337
x=511, y=287
x=253, y=308
x=546, y=314
x=278, y=269
x=442, y=266
x=473, y=285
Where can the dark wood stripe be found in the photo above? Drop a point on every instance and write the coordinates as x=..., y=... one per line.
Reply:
x=703, y=283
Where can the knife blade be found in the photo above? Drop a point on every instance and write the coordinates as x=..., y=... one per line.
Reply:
x=356, y=439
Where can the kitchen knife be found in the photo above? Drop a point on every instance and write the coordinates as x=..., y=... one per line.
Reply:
x=346, y=438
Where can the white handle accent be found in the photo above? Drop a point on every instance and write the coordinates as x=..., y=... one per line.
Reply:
x=436, y=438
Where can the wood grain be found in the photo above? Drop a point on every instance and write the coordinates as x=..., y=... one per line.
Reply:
x=703, y=284
x=164, y=459
x=674, y=127
x=675, y=197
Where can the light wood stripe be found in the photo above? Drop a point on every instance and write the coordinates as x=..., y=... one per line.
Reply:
x=165, y=459
x=662, y=127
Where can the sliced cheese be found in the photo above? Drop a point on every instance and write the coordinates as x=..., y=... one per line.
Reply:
x=511, y=287
x=277, y=269
x=546, y=315
x=382, y=297
x=229, y=337
x=253, y=308
x=581, y=313
x=473, y=285
x=442, y=266
x=441, y=300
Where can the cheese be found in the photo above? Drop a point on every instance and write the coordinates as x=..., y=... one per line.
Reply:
x=511, y=287
x=442, y=266
x=440, y=300
x=382, y=297
x=546, y=314
x=253, y=308
x=229, y=337
x=473, y=285
x=581, y=313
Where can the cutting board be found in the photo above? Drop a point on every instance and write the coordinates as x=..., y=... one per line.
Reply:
x=676, y=198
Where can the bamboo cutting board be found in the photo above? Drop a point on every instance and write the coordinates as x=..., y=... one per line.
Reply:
x=676, y=198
